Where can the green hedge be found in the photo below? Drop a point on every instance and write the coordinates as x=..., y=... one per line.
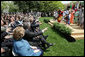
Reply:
x=46, y=20
x=62, y=28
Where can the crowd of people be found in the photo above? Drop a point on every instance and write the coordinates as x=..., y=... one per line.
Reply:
x=74, y=14
x=22, y=36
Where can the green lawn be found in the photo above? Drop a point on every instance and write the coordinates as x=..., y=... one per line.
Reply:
x=62, y=47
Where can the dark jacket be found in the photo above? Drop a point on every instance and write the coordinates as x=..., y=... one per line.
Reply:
x=7, y=43
x=34, y=25
x=3, y=35
x=29, y=34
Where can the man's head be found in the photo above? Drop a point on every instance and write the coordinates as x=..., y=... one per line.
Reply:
x=12, y=19
x=6, y=22
x=26, y=25
x=2, y=23
x=31, y=18
x=26, y=19
x=3, y=29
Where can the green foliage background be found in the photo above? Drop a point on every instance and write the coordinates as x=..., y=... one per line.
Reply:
x=27, y=6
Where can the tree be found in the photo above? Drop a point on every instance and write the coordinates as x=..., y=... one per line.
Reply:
x=23, y=6
x=9, y=6
x=26, y=6
x=45, y=7
x=50, y=6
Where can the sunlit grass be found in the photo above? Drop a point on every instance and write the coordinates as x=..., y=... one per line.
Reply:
x=62, y=47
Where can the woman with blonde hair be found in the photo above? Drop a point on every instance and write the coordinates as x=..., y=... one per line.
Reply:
x=21, y=47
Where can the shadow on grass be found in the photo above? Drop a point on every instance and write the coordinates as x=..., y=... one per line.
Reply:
x=67, y=37
x=46, y=50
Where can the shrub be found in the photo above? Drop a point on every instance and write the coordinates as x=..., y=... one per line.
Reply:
x=46, y=20
x=62, y=28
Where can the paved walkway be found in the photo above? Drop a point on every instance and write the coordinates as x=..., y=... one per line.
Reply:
x=77, y=33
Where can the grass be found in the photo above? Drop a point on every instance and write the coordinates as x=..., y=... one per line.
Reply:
x=62, y=47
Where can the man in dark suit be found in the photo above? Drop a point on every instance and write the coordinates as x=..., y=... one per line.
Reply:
x=6, y=44
x=30, y=35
